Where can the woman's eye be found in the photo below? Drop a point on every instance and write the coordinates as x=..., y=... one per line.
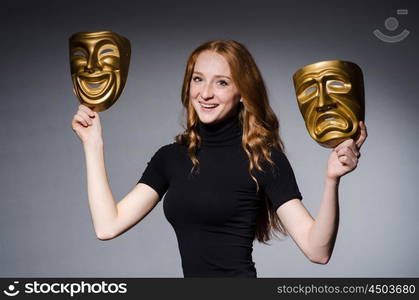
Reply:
x=196, y=78
x=223, y=83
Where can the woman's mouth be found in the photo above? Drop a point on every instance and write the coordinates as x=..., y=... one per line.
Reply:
x=208, y=107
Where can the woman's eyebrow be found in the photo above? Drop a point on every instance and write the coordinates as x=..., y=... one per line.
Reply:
x=214, y=75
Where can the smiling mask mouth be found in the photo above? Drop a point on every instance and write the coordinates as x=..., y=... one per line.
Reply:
x=95, y=86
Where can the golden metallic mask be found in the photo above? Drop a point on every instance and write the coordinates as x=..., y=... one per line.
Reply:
x=330, y=95
x=99, y=67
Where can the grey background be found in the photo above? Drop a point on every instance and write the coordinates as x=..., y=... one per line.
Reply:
x=45, y=223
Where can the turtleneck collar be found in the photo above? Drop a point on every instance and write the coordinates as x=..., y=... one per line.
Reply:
x=223, y=133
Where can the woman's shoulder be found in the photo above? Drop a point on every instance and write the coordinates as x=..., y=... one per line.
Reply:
x=170, y=149
x=276, y=154
x=279, y=160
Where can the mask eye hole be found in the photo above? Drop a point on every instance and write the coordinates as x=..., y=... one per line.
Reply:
x=79, y=53
x=336, y=83
x=108, y=50
x=337, y=86
x=104, y=51
x=310, y=91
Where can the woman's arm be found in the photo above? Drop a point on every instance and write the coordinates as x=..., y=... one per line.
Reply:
x=87, y=125
x=111, y=219
x=101, y=201
x=316, y=237
x=298, y=223
x=324, y=229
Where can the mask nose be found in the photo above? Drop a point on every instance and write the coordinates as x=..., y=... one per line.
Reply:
x=324, y=102
x=92, y=65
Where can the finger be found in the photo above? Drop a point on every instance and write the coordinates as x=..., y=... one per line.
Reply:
x=350, y=156
x=344, y=144
x=86, y=109
x=352, y=159
x=355, y=160
x=362, y=136
x=344, y=160
x=349, y=151
x=78, y=119
x=85, y=116
x=353, y=148
x=352, y=162
x=348, y=161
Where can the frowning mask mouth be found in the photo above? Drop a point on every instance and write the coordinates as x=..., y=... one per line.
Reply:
x=330, y=122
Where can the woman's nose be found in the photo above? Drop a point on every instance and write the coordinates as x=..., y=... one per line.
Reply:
x=207, y=91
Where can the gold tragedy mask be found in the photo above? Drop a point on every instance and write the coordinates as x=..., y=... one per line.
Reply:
x=330, y=95
x=99, y=67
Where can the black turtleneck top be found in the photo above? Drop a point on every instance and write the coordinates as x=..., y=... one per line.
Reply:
x=214, y=212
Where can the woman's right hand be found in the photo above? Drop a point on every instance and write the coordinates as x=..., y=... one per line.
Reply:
x=86, y=124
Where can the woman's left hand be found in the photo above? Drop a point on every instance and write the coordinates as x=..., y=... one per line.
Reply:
x=344, y=157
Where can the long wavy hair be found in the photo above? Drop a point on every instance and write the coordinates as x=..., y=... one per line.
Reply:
x=260, y=124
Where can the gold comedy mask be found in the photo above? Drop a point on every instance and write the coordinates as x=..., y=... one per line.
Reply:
x=99, y=67
x=330, y=95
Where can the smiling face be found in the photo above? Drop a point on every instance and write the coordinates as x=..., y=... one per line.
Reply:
x=99, y=67
x=330, y=95
x=212, y=92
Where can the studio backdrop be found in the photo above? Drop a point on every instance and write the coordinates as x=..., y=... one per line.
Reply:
x=45, y=224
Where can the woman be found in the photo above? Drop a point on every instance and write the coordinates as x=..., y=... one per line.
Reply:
x=227, y=178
